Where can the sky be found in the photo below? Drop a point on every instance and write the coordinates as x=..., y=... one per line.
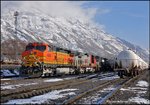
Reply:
x=128, y=20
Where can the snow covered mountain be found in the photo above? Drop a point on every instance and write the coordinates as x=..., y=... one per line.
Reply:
x=70, y=33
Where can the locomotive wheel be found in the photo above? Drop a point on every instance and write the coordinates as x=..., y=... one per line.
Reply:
x=77, y=71
x=120, y=74
x=137, y=72
x=131, y=73
x=134, y=73
x=125, y=73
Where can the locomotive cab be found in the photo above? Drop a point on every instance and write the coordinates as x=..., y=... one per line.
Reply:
x=34, y=53
x=33, y=58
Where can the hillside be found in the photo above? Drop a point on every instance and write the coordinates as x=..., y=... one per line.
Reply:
x=70, y=33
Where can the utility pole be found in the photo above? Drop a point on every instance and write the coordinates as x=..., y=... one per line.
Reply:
x=16, y=13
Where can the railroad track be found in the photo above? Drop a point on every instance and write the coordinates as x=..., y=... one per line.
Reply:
x=26, y=93
x=109, y=96
x=85, y=93
x=119, y=83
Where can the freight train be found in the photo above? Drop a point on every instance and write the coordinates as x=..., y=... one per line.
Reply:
x=42, y=59
x=128, y=63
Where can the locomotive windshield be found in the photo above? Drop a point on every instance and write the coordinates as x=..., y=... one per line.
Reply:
x=29, y=47
x=41, y=48
x=38, y=47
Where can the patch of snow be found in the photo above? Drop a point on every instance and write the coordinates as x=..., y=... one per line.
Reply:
x=5, y=79
x=69, y=78
x=16, y=72
x=138, y=90
x=59, y=79
x=56, y=94
x=90, y=100
x=141, y=89
x=142, y=84
x=16, y=86
x=7, y=73
x=139, y=100
x=107, y=89
x=91, y=76
x=141, y=92
x=110, y=78
x=133, y=88
x=120, y=102
x=4, y=83
x=53, y=80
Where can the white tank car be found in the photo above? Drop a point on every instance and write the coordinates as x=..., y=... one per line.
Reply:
x=129, y=64
x=128, y=59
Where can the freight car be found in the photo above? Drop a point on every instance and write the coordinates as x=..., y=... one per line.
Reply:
x=128, y=63
x=41, y=59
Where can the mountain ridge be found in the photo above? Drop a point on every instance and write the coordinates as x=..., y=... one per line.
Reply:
x=68, y=33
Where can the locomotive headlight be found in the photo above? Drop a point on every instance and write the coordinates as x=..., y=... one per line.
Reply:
x=24, y=57
x=35, y=63
x=103, y=60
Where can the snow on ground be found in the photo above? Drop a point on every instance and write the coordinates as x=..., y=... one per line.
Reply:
x=94, y=98
x=16, y=72
x=134, y=89
x=58, y=79
x=139, y=100
x=90, y=100
x=142, y=88
x=4, y=86
x=5, y=79
x=110, y=78
x=91, y=76
x=53, y=80
x=107, y=89
x=56, y=94
x=69, y=78
x=7, y=73
x=142, y=84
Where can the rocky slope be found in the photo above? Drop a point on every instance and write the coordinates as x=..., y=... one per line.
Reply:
x=68, y=33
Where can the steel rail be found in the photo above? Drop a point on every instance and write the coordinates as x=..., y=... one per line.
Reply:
x=118, y=87
x=79, y=96
x=40, y=90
